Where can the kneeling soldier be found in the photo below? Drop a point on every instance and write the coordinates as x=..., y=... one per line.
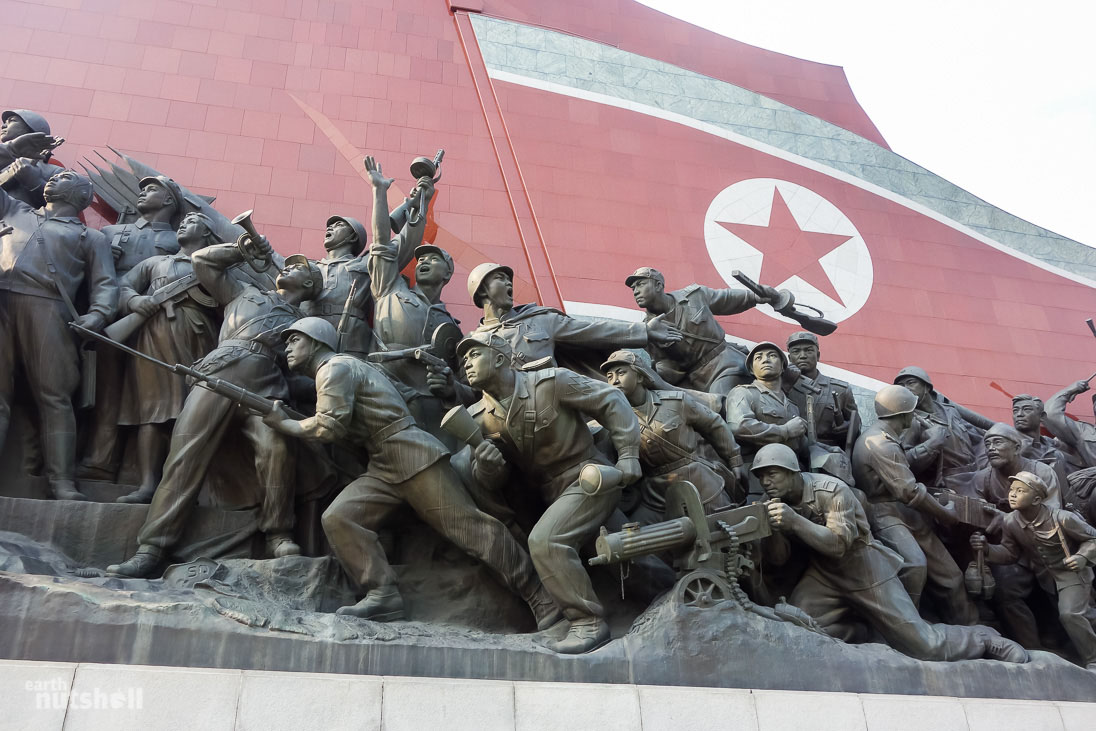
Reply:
x=1061, y=548
x=671, y=425
x=850, y=572
x=357, y=404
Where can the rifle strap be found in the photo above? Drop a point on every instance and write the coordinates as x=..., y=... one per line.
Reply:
x=40, y=240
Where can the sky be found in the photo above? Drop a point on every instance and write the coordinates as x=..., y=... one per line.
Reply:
x=997, y=97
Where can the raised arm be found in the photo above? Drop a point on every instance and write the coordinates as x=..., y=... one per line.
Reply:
x=211, y=266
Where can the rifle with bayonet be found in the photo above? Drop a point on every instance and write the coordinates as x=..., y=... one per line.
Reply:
x=787, y=307
x=237, y=394
x=167, y=297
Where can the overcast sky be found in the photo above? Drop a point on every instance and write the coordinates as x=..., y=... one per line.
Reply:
x=997, y=97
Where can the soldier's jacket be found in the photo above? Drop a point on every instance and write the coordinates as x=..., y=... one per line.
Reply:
x=139, y=241
x=157, y=272
x=833, y=409
x=404, y=317
x=1050, y=452
x=357, y=404
x=543, y=431
x=28, y=184
x=81, y=255
x=882, y=472
x=1040, y=542
x=534, y=331
x=339, y=277
x=753, y=411
x=862, y=563
x=1079, y=435
x=963, y=451
x=704, y=339
x=671, y=425
x=992, y=486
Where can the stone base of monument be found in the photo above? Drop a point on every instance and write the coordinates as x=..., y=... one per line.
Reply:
x=276, y=615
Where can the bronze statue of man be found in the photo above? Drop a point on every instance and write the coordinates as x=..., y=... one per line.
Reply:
x=345, y=299
x=405, y=315
x=1079, y=436
x=534, y=424
x=24, y=163
x=160, y=205
x=357, y=405
x=180, y=329
x=1060, y=547
x=833, y=411
x=247, y=354
x=700, y=357
x=46, y=257
x=1027, y=417
x=672, y=425
x=903, y=514
x=853, y=578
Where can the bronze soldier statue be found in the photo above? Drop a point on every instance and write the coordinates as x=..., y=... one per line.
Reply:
x=672, y=425
x=46, y=256
x=833, y=411
x=760, y=413
x=25, y=149
x=174, y=321
x=534, y=423
x=1079, y=436
x=406, y=316
x=851, y=574
x=700, y=358
x=246, y=355
x=902, y=512
x=1027, y=417
x=1060, y=546
x=345, y=299
x=357, y=404
x=160, y=205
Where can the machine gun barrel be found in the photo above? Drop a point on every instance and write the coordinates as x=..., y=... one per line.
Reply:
x=634, y=542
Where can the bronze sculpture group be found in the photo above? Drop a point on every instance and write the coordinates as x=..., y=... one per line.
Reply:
x=509, y=455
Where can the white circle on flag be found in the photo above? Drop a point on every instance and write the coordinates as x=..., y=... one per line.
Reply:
x=848, y=266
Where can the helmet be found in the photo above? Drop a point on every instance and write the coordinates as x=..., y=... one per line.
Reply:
x=775, y=455
x=484, y=338
x=646, y=273
x=1032, y=480
x=630, y=358
x=317, y=275
x=477, y=275
x=764, y=345
x=359, y=230
x=431, y=249
x=802, y=337
x=34, y=120
x=1007, y=431
x=915, y=371
x=316, y=328
x=894, y=401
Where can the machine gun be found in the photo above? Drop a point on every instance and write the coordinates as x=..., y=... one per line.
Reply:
x=166, y=297
x=787, y=307
x=441, y=351
x=237, y=394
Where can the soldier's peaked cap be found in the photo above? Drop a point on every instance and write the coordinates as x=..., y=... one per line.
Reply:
x=316, y=328
x=487, y=339
x=317, y=275
x=629, y=358
x=34, y=120
x=1032, y=480
x=917, y=372
x=802, y=337
x=645, y=273
x=1000, y=429
x=425, y=249
x=359, y=231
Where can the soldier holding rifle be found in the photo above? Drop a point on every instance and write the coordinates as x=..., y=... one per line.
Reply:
x=851, y=574
x=247, y=353
x=25, y=149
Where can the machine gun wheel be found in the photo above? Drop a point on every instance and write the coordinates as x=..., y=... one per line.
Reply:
x=702, y=588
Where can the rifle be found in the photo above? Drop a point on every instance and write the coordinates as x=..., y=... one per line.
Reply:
x=817, y=324
x=166, y=297
x=237, y=394
x=972, y=511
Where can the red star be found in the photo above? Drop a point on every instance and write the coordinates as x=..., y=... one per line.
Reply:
x=789, y=250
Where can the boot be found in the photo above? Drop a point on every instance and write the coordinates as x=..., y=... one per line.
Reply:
x=1003, y=649
x=143, y=563
x=544, y=609
x=585, y=635
x=280, y=545
x=140, y=496
x=66, y=490
x=380, y=605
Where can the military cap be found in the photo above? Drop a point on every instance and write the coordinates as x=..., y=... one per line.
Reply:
x=764, y=345
x=425, y=249
x=775, y=455
x=1000, y=429
x=646, y=273
x=1032, y=480
x=488, y=339
x=359, y=231
x=915, y=371
x=630, y=358
x=802, y=337
x=317, y=275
